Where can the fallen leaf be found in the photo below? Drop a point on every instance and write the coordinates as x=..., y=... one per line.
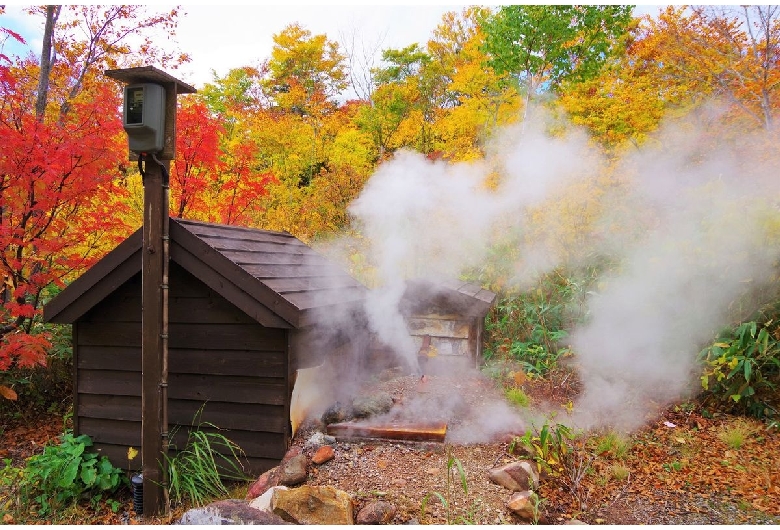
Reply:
x=8, y=393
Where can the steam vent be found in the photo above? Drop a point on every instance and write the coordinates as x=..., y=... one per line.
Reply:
x=446, y=319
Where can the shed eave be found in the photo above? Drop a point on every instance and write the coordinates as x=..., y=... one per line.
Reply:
x=98, y=282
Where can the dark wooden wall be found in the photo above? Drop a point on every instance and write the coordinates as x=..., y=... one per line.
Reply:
x=218, y=356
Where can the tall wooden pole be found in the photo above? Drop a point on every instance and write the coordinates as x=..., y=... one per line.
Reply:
x=154, y=344
x=154, y=294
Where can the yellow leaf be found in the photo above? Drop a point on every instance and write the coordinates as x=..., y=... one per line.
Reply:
x=132, y=452
x=8, y=393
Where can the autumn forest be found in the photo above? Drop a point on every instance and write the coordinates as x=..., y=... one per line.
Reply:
x=276, y=146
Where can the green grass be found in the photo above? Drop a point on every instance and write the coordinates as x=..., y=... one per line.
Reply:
x=736, y=433
x=198, y=473
x=613, y=444
x=518, y=397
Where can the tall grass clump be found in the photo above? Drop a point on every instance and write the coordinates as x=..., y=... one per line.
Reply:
x=198, y=473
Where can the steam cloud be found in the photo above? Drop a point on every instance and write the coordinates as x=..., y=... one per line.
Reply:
x=685, y=224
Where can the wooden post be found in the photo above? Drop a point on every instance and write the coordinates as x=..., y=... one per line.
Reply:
x=154, y=294
x=154, y=343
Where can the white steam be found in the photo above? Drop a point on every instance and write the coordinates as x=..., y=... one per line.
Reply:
x=685, y=225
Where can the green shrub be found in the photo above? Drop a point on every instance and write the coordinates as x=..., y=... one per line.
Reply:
x=548, y=446
x=518, y=397
x=529, y=327
x=62, y=474
x=742, y=368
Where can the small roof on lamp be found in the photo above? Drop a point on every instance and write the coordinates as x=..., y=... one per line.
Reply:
x=149, y=74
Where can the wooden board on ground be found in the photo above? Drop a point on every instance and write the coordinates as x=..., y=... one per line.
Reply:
x=419, y=432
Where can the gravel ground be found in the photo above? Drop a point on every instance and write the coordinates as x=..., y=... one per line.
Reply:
x=481, y=424
x=406, y=473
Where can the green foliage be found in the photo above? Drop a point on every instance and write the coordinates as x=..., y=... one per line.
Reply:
x=541, y=45
x=548, y=446
x=518, y=397
x=529, y=327
x=197, y=474
x=742, y=367
x=452, y=464
x=62, y=475
x=612, y=444
x=736, y=433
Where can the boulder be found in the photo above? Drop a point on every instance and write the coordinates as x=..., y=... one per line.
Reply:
x=264, y=501
x=313, y=505
x=293, y=471
x=337, y=413
x=229, y=512
x=377, y=512
x=521, y=503
x=516, y=476
x=273, y=476
x=372, y=405
x=267, y=480
x=323, y=454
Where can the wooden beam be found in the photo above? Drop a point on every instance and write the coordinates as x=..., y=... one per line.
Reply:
x=419, y=432
x=154, y=340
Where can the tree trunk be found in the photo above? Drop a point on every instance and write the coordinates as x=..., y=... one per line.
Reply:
x=47, y=60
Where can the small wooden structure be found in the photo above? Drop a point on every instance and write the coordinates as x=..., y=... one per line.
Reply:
x=245, y=307
x=446, y=319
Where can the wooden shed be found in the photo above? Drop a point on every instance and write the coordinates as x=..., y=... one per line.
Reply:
x=446, y=319
x=245, y=307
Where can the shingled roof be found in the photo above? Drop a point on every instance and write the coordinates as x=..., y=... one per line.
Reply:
x=455, y=295
x=272, y=276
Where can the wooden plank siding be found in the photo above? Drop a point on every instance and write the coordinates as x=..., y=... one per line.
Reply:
x=238, y=296
x=221, y=363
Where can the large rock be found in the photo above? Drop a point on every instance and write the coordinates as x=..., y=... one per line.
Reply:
x=516, y=476
x=521, y=504
x=229, y=512
x=293, y=471
x=264, y=502
x=266, y=481
x=372, y=405
x=337, y=413
x=313, y=505
x=273, y=476
x=377, y=512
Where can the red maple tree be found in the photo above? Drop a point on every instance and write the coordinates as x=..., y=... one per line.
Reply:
x=57, y=176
